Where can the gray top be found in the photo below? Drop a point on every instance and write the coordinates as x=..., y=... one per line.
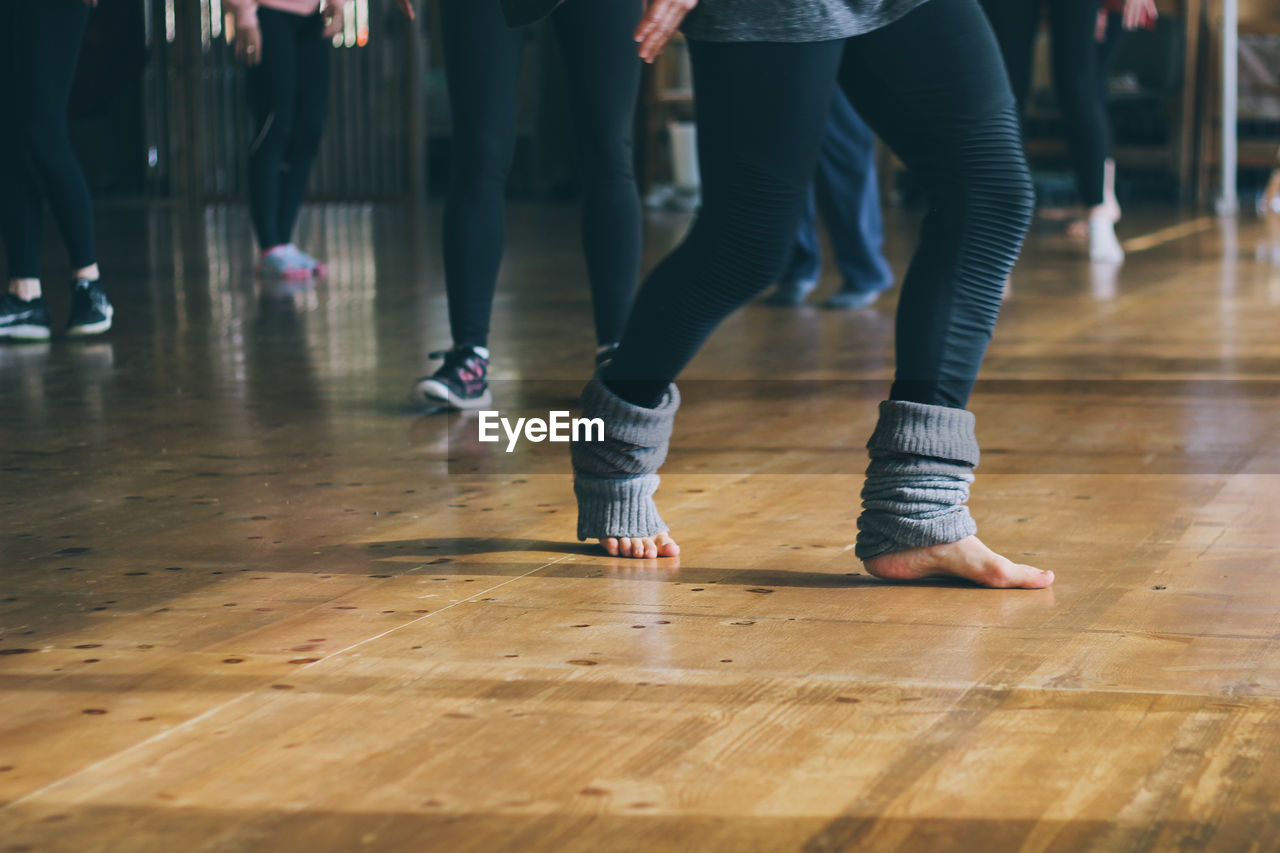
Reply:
x=791, y=20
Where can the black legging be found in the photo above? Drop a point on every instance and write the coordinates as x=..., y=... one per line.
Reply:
x=1072, y=31
x=932, y=86
x=289, y=96
x=37, y=67
x=482, y=60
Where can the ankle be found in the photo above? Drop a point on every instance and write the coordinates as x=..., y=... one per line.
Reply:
x=25, y=289
x=89, y=273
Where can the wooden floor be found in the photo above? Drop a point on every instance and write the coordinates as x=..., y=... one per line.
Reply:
x=249, y=600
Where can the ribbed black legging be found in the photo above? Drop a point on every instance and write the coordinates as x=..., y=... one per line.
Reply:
x=482, y=60
x=1072, y=34
x=289, y=97
x=41, y=44
x=932, y=86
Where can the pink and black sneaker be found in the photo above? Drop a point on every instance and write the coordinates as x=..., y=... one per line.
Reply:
x=460, y=381
x=288, y=263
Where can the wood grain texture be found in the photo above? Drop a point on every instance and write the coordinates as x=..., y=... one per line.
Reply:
x=251, y=601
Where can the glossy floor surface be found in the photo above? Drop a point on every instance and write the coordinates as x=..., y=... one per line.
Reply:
x=251, y=600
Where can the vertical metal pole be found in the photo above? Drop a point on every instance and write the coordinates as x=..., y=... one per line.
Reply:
x=1228, y=204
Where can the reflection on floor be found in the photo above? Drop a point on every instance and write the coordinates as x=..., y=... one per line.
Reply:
x=249, y=599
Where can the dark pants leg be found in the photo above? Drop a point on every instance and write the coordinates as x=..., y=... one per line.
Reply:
x=949, y=115
x=761, y=111
x=1072, y=26
x=1015, y=23
x=1075, y=76
x=849, y=199
x=42, y=47
x=272, y=85
x=604, y=84
x=482, y=63
x=933, y=87
x=482, y=60
x=311, y=108
x=289, y=96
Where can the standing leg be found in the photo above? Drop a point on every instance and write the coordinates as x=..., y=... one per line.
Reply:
x=48, y=47
x=51, y=50
x=946, y=109
x=23, y=315
x=604, y=83
x=311, y=107
x=482, y=62
x=272, y=85
x=850, y=201
x=1015, y=23
x=1073, y=26
x=20, y=205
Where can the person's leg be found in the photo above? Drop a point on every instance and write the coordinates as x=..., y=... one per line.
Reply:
x=800, y=275
x=1015, y=23
x=272, y=87
x=850, y=201
x=761, y=111
x=1113, y=37
x=604, y=83
x=23, y=315
x=311, y=108
x=20, y=204
x=482, y=64
x=49, y=48
x=1073, y=27
x=932, y=86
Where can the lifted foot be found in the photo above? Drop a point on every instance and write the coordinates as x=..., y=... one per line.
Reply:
x=968, y=559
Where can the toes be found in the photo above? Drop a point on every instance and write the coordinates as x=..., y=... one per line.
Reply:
x=610, y=545
x=666, y=546
x=624, y=546
x=1010, y=575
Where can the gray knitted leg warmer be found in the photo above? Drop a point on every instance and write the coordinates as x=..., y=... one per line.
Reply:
x=922, y=461
x=614, y=480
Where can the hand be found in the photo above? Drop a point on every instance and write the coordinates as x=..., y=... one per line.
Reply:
x=333, y=19
x=249, y=45
x=659, y=22
x=1140, y=13
x=406, y=6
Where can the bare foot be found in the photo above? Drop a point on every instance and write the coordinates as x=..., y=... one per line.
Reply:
x=968, y=559
x=646, y=547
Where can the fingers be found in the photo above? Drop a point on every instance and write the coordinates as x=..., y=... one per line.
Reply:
x=333, y=22
x=659, y=24
x=406, y=6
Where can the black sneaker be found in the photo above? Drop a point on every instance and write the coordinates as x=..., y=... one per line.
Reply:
x=460, y=381
x=91, y=311
x=23, y=319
